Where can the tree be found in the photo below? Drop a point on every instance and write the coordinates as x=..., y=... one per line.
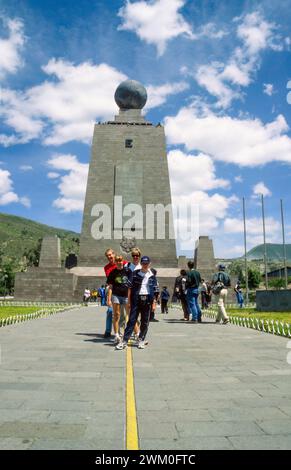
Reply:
x=32, y=255
x=7, y=278
x=254, y=278
x=236, y=269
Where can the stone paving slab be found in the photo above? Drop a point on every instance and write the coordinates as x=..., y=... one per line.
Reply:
x=206, y=386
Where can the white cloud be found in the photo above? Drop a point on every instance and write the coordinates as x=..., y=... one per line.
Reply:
x=261, y=189
x=25, y=168
x=210, y=31
x=25, y=201
x=268, y=89
x=212, y=209
x=63, y=108
x=257, y=33
x=190, y=177
x=157, y=95
x=238, y=179
x=224, y=80
x=10, y=48
x=7, y=195
x=66, y=107
x=72, y=185
x=155, y=22
x=245, y=142
x=53, y=175
x=254, y=229
x=190, y=173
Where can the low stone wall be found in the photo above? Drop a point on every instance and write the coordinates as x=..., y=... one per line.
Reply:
x=273, y=300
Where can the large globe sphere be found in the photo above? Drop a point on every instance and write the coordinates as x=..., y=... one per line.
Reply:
x=130, y=94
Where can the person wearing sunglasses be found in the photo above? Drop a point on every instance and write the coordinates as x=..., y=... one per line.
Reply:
x=136, y=255
x=110, y=266
x=119, y=281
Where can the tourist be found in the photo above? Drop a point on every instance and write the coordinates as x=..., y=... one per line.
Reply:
x=109, y=312
x=119, y=281
x=239, y=294
x=94, y=295
x=102, y=295
x=86, y=296
x=193, y=281
x=180, y=293
x=220, y=283
x=136, y=255
x=204, y=294
x=110, y=255
x=141, y=294
x=165, y=295
x=208, y=293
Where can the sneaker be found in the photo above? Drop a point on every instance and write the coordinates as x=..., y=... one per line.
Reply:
x=107, y=334
x=142, y=344
x=117, y=339
x=194, y=321
x=121, y=345
x=225, y=321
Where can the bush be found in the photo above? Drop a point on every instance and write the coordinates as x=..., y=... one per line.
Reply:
x=277, y=283
x=254, y=278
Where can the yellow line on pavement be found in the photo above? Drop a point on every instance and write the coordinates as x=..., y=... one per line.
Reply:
x=131, y=419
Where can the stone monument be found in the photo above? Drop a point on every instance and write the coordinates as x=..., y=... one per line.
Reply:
x=49, y=282
x=204, y=258
x=129, y=175
x=127, y=204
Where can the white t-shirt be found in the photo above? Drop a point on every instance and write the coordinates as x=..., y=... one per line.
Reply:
x=144, y=290
x=87, y=293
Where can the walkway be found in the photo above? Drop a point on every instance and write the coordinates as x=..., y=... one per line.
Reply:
x=202, y=386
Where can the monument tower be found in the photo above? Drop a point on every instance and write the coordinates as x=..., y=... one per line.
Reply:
x=128, y=191
x=127, y=204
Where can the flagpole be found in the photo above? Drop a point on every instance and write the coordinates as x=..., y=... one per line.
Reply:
x=246, y=262
x=265, y=247
x=284, y=245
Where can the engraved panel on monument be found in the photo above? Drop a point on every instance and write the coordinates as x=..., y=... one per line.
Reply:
x=129, y=186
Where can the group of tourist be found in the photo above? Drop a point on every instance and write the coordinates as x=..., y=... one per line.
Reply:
x=97, y=295
x=132, y=294
x=189, y=284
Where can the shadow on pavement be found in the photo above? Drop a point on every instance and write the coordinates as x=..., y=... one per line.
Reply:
x=175, y=320
x=97, y=338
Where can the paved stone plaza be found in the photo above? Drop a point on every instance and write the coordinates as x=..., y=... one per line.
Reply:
x=205, y=386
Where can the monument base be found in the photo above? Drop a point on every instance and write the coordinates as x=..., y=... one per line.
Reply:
x=68, y=285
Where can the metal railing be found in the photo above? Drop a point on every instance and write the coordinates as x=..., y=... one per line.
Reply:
x=274, y=327
x=31, y=316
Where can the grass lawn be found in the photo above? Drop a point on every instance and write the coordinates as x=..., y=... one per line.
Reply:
x=11, y=311
x=252, y=313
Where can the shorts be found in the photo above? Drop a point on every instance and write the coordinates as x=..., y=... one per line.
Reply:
x=117, y=299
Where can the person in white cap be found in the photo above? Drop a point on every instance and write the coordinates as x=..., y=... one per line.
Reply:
x=220, y=283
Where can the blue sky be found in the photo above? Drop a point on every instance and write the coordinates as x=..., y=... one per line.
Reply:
x=216, y=73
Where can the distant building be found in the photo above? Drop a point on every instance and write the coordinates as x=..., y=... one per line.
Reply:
x=279, y=273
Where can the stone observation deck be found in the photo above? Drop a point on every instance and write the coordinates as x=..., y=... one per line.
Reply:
x=205, y=386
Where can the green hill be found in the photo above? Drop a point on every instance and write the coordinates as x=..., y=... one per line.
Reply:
x=20, y=240
x=274, y=252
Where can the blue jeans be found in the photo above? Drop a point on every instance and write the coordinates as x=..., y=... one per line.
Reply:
x=103, y=301
x=192, y=300
x=240, y=299
x=140, y=304
x=108, y=327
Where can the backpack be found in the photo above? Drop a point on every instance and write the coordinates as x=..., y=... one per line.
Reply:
x=221, y=280
x=217, y=288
